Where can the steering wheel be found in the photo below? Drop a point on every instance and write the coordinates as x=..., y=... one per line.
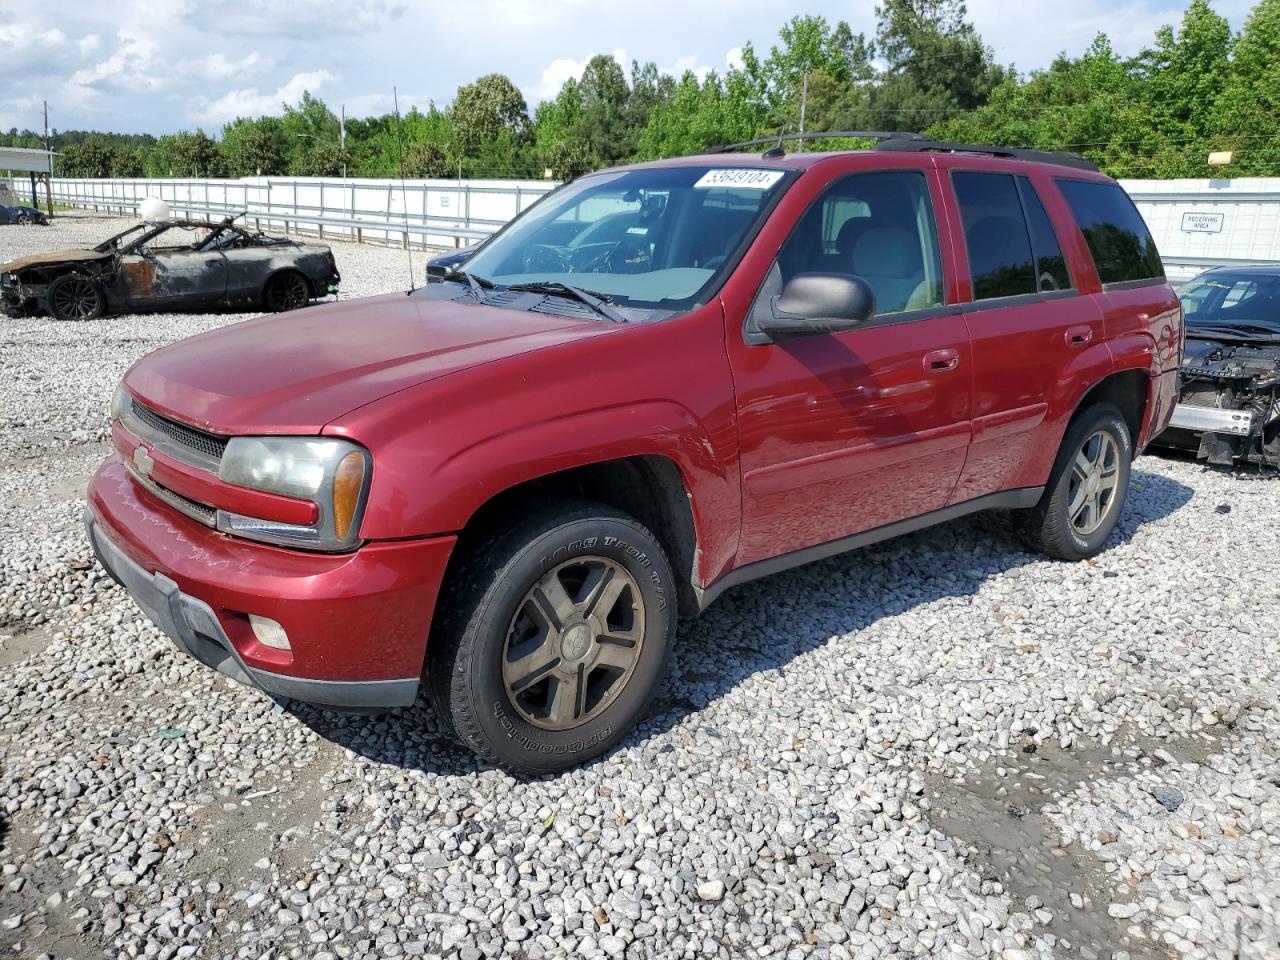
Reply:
x=545, y=258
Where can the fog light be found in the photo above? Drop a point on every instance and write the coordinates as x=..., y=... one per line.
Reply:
x=268, y=632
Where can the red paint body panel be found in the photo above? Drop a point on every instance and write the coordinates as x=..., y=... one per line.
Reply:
x=283, y=375
x=355, y=616
x=781, y=446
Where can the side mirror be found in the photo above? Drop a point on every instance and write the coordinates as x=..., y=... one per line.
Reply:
x=814, y=303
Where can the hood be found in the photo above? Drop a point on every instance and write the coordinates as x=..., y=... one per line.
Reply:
x=295, y=372
x=58, y=256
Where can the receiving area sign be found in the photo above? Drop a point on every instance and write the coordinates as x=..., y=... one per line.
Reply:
x=1203, y=222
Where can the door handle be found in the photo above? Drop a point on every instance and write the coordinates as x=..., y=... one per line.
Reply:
x=940, y=361
x=1078, y=336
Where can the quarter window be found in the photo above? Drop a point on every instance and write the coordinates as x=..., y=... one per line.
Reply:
x=1051, y=266
x=878, y=226
x=1001, y=261
x=1118, y=239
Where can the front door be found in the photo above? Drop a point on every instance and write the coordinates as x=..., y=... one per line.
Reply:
x=842, y=433
x=174, y=276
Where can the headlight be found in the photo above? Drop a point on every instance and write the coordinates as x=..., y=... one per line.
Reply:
x=119, y=402
x=333, y=474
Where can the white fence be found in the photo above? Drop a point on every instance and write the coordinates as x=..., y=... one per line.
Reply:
x=436, y=213
x=1197, y=223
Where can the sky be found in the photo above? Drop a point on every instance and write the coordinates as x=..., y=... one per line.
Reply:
x=167, y=65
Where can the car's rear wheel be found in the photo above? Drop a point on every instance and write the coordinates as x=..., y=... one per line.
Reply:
x=1087, y=489
x=555, y=637
x=75, y=297
x=287, y=290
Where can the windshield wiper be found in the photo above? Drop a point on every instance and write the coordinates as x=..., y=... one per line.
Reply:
x=597, y=302
x=477, y=284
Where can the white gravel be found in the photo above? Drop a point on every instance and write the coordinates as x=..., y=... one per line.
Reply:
x=940, y=747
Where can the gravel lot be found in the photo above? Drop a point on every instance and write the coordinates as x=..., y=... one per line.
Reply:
x=940, y=747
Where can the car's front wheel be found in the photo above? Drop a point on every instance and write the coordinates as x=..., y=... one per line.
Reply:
x=554, y=637
x=75, y=297
x=1087, y=489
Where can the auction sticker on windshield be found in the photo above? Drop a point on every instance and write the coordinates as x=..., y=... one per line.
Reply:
x=743, y=178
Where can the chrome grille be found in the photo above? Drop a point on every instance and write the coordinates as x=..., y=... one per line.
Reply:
x=208, y=445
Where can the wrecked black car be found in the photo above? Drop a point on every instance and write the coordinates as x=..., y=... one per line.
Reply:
x=22, y=216
x=1230, y=404
x=170, y=265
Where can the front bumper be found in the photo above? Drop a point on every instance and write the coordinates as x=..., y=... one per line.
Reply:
x=357, y=623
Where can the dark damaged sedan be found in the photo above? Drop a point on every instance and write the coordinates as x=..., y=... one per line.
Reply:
x=174, y=265
x=1230, y=404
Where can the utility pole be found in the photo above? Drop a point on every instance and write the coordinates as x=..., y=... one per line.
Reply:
x=342, y=140
x=48, y=177
x=804, y=102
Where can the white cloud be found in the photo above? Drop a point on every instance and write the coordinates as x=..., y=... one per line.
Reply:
x=249, y=102
x=218, y=66
x=733, y=59
x=690, y=62
x=131, y=65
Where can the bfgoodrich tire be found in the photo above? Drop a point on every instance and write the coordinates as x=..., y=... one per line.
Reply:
x=1087, y=489
x=555, y=638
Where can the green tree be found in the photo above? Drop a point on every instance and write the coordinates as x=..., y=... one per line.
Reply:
x=936, y=66
x=1248, y=111
x=426, y=160
x=254, y=147
x=88, y=159
x=483, y=110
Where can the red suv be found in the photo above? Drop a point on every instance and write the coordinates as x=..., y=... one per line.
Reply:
x=660, y=381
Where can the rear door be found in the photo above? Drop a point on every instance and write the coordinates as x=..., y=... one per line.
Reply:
x=841, y=433
x=1032, y=330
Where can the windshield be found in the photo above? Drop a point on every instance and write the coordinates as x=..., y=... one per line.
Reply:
x=1250, y=301
x=648, y=238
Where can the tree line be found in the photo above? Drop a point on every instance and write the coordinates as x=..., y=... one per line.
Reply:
x=1198, y=87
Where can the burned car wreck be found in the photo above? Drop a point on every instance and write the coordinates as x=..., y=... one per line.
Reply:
x=170, y=265
x=1230, y=404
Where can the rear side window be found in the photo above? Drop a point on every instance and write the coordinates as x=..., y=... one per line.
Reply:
x=1051, y=266
x=1118, y=238
x=1001, y=261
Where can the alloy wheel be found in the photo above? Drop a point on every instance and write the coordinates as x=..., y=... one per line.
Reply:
x=1095, y=477
x=288, y=292
x=573, y=643
x=76, y=299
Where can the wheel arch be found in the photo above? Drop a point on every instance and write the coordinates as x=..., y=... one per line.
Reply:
x=1130, y=391
x=649, y=487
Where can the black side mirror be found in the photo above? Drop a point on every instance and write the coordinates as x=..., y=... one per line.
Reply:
x=814, y=303
x=440, y=267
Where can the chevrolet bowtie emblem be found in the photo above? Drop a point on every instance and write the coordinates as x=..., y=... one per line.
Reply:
x=142, y=460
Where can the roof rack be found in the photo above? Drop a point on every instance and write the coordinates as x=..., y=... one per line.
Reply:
x=778, y=141
x=916, y=144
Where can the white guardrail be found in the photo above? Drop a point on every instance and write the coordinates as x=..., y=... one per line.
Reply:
x=431, y=213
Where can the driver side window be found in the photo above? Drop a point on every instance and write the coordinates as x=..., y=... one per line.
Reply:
x=878, y=226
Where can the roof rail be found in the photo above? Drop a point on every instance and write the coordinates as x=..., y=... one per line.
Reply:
x=917, y=144
x=819, y=135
